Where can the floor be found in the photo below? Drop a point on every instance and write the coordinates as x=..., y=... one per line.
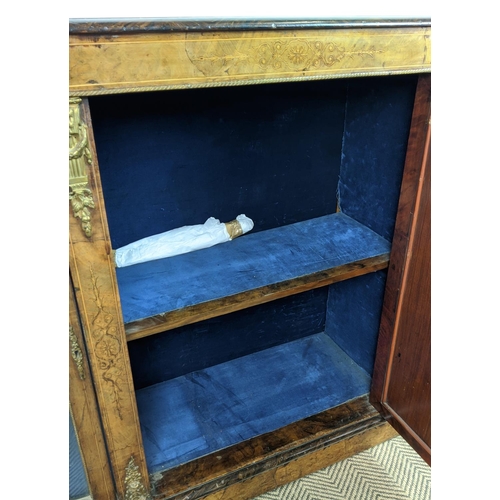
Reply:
x=389, y=471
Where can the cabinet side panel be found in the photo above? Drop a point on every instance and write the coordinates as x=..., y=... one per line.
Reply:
x=85, y=418
x=353, y=316
x=378, y=117
x=94, y=279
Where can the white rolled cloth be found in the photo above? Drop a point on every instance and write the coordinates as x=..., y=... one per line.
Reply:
x=182, y=240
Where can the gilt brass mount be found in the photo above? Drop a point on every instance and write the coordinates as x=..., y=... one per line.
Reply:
x=76, y=353
x=80, y=157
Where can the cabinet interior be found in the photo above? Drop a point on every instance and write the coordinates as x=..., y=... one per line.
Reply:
x=243, y=338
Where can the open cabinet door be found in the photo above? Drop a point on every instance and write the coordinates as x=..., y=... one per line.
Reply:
x=401, y=388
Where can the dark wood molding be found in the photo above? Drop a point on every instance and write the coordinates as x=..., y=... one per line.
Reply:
x=406, y=208
x=217, y=307
x=145, y=25
x=267, y=452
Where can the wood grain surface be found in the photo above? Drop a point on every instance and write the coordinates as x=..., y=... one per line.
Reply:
x=121, y=57
x=404, y=338
x=85, y=414
x=132, y=62
x=94, y=280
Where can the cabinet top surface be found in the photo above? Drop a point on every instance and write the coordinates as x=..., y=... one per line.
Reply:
x=152, y=25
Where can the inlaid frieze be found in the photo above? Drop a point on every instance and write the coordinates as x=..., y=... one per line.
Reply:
x=294, y=55
x=103, y=64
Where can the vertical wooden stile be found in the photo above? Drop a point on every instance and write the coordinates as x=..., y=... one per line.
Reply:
x=94, y=279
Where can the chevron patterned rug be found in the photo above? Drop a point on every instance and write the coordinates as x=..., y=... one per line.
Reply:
x=389, y=471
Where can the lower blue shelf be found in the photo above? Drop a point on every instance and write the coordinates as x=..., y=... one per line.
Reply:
x=208, y=410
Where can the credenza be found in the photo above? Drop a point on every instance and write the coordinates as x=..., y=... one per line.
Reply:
x=224, y=372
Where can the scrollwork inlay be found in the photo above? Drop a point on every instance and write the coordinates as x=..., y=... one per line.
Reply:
x=108, y=348
x=80, y=157
x=304, y=54
x=134, y=487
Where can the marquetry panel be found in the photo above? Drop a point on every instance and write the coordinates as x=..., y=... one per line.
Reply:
x=94, y=280
x=155, y=61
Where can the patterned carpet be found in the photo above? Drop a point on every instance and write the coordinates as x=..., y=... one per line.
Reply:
x=389, y=471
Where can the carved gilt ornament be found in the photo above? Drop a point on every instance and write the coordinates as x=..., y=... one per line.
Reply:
x=80, y=194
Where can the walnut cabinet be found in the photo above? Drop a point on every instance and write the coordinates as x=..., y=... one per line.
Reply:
x=227, y=371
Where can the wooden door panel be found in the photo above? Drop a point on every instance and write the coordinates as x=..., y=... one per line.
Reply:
x=401, y=386
x=409, y=391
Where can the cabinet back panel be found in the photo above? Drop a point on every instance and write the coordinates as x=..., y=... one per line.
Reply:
x=378, y=118
x=194, y=347
x=169, y=159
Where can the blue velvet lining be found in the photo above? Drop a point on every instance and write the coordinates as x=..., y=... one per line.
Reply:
x=221, y=339
x=378, y=117
x=211, y=409
x=169, y=159
x=353, y=316
x=280, y=154
x=249, y=262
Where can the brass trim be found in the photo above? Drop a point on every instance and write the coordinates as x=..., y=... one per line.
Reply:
x=76, y=353
x=234, y=229
x=134, y=487
x=236, y=83
x=80, y=157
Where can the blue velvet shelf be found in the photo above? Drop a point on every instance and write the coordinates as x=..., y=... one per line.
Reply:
x=208, y=410
x=250, y=270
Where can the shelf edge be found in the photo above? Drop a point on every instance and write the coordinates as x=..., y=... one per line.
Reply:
x=218, y=307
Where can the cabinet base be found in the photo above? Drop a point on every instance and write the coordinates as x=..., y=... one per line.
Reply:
x=249, y=469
